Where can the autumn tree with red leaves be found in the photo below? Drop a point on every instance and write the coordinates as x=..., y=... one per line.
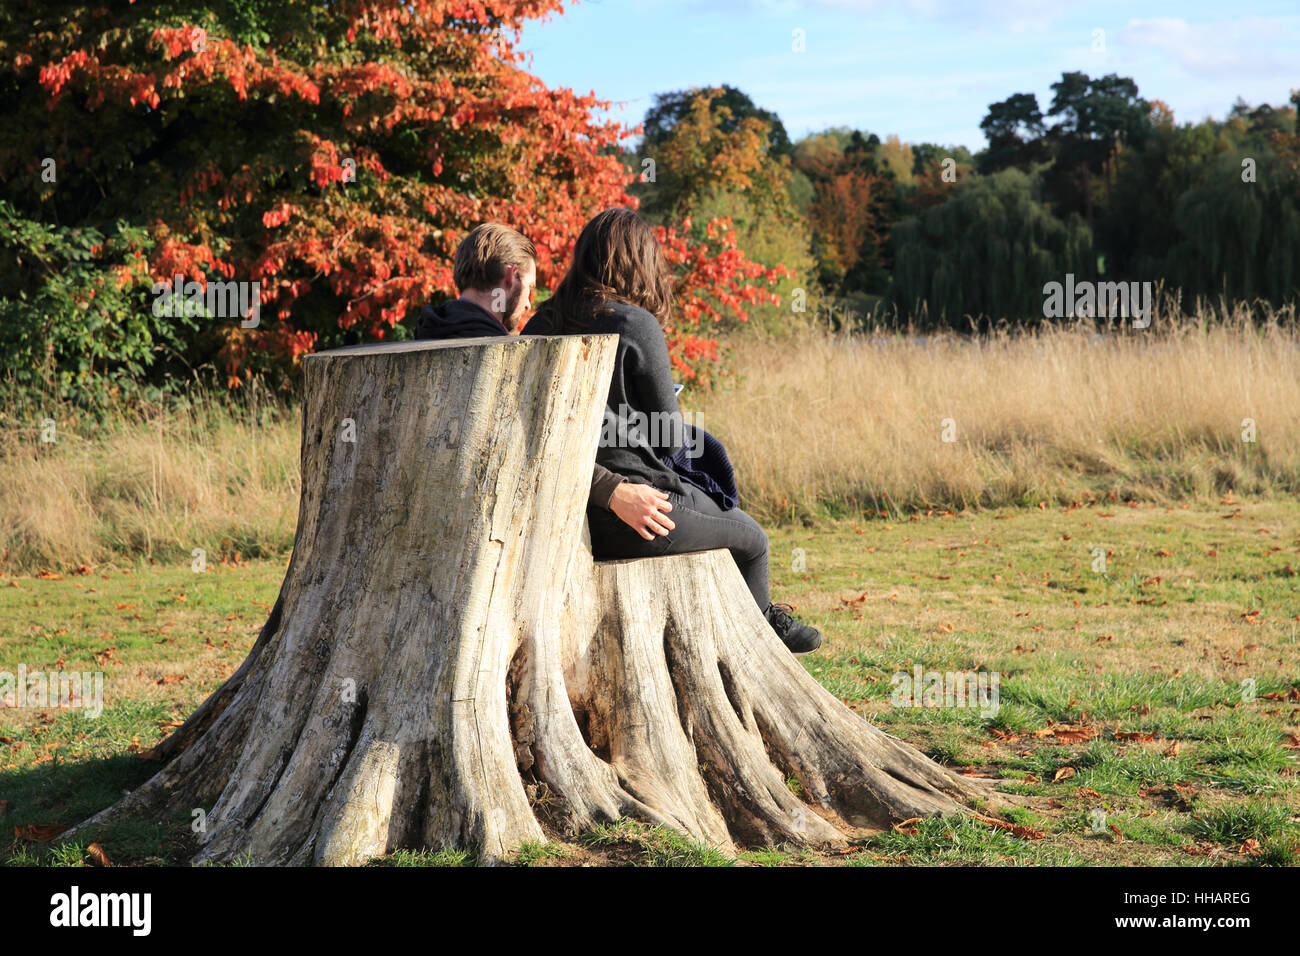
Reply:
x=335, y=154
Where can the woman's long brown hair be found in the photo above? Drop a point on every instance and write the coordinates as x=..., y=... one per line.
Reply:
x=616, y=257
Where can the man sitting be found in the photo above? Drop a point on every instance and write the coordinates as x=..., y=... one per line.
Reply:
x=495, y=272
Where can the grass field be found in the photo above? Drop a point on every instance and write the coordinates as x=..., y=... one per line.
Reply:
x=1149, y=712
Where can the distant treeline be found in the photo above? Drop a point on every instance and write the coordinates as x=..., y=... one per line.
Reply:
x=1103, y=185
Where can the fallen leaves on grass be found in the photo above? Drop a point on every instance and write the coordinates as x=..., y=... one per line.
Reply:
x=1292, y=694
x=1067, y=733
x=1135, y=736
x=38, y=832
x=96, y=856
x=1015, y=829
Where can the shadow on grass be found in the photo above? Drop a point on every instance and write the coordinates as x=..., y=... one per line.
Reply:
x=43, y=800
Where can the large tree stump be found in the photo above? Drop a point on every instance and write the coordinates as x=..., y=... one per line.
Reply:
x=446, y=666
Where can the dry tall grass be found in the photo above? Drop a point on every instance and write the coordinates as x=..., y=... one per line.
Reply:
x=215, y=477
x=859, y=423
x=812, y=423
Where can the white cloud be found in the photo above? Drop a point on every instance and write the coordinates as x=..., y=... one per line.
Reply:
x=1225, y=49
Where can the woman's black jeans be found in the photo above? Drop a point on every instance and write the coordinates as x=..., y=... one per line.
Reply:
x=700, y=525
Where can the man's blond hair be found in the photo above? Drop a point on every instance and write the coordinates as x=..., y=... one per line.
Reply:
x=484, y=254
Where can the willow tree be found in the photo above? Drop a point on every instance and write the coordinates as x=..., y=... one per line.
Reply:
x=1239, y=230
x=985, y=251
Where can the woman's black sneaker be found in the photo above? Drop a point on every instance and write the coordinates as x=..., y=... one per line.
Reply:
x=800, y=638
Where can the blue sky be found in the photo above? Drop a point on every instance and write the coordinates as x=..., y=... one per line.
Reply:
x=924, y=69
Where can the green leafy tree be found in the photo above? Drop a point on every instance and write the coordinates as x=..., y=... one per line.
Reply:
x=985, y=252
x=705, y=149
x=670, y=108
x=72, y=324
x=710, y=167
x=1210, y=208
x=778, y=241
x=927, y=156
x=1137, y=229
x=899, y=159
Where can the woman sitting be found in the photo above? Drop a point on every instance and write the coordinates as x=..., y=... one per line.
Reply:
x=619, y=282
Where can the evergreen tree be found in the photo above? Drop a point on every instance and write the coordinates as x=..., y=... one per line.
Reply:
x=1014, y=128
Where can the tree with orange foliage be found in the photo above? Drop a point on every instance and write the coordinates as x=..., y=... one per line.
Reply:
x=716, y=158
x=849, y=216
x=710, y=149
x=333, y=153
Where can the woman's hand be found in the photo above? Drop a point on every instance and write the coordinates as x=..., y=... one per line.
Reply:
x=642, y=508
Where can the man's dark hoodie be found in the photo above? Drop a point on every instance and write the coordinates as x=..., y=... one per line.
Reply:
x=457, y=319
